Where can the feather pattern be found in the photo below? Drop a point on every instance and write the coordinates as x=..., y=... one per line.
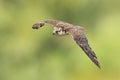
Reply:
x=77, y=32
x=82, y=41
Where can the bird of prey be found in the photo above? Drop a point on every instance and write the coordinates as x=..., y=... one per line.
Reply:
x=77, y=33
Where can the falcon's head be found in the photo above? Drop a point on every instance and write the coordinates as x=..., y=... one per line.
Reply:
x=59, y=31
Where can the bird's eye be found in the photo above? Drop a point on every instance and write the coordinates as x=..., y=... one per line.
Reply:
x=56, y=32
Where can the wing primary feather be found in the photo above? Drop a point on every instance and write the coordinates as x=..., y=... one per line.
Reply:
x=82, y=41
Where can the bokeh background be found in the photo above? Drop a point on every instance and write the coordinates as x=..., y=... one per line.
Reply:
x=27, y=54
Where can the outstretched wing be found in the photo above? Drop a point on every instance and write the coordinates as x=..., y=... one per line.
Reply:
x=82, y=41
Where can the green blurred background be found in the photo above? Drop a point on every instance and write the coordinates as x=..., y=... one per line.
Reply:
x=27, y=54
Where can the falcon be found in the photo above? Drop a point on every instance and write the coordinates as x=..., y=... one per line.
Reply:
x=77, y=32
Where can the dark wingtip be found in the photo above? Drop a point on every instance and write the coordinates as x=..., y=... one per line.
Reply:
x=34, y=27
x=98, y=65
x=38, y=25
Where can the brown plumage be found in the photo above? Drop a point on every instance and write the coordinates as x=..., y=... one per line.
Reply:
x=77, y=32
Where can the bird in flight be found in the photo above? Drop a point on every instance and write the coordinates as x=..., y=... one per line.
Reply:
x=77, y=33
